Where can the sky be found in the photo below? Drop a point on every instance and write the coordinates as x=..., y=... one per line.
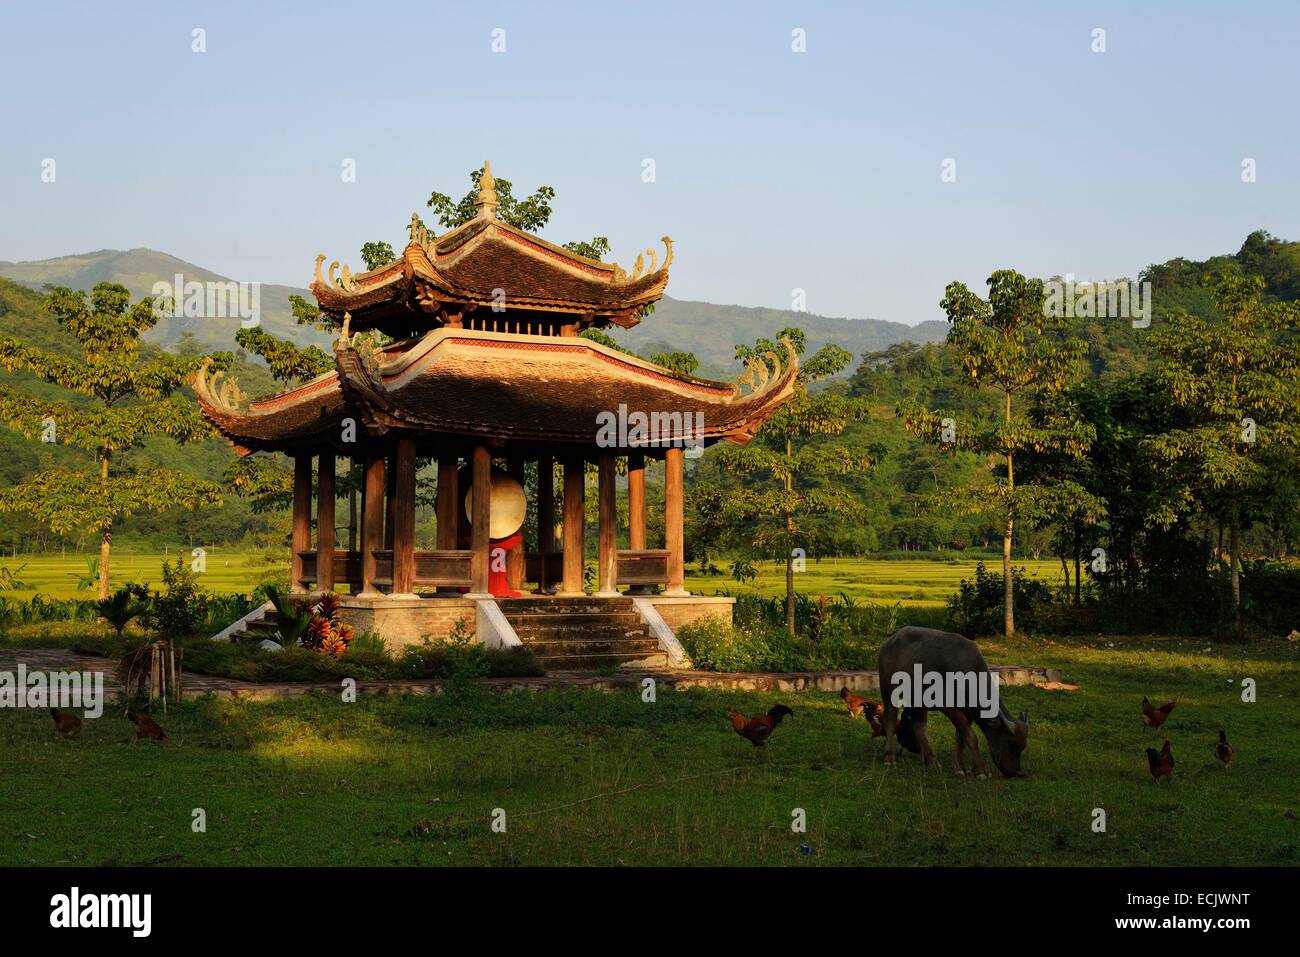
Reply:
x=774, y=170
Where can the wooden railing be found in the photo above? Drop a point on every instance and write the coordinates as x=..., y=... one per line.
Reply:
x=646, y=566
x=443, y=568
x=554, y=567
x=451, y=568
x=347, y=568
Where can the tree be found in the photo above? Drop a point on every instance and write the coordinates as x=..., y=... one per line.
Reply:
x=530, y=214
x=1003, y=347
x=788, y=457
x=129, y=400
x=1238, y=383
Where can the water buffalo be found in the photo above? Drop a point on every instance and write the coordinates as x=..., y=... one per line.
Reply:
x=912, y=651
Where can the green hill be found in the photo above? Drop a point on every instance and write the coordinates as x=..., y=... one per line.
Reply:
x=139, y=269
x=710, y=331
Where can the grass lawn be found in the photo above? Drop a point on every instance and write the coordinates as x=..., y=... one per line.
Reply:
x=587, y=777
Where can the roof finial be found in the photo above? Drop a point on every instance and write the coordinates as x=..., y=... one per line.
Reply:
x=487, y=193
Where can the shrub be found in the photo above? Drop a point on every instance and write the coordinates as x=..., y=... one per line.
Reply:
x=38, y=609
x=1270, y=596
x=713, y=645
x=976, y=608
x=459, y=658
x=182, y=607
x=822, y=617
x=368, y=642
x=293, y=617
x=123, y=606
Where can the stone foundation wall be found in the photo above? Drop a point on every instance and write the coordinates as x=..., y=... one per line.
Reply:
x=678, y=610
x=407, y=621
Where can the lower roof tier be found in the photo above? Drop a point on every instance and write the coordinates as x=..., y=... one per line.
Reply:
x=500, y=387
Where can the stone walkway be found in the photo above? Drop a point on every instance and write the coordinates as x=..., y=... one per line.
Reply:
x=195, y=685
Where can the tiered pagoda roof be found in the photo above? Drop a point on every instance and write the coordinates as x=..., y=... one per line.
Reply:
x=518, y=374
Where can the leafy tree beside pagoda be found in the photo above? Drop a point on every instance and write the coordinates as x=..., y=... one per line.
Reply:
x=128, y=398
x=1237, y=382
x=789, y=456
x=1005, y=348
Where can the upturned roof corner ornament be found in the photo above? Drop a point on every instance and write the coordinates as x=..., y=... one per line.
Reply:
x=344, y=282
x=621, y=276
x=220, y=389
x=759, y=376
x=419, y=232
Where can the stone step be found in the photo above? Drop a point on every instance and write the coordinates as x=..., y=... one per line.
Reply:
x=628, y=619
x=596, y=662
x=564, y=606
x=577, y=628
x=556, y=648
x=583, y=637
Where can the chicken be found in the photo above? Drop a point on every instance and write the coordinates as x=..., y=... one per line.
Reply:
x=1223, y=750
x=858, y=706
x=68, y=725
x=1153, y=717
x=1161, y=762
x=757, y=730
x=145, y=726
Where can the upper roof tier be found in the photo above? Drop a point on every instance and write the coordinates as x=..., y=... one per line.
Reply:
x=487, y=274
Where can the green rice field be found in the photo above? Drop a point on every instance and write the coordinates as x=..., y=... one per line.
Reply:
x=922, y=583
x=919, y=582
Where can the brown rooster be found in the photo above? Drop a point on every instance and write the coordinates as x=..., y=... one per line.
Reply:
x=145, y=726
x=858, y=706
x=1162, y=763
x=1153, y=717
x=68, y=725
x=758, y=729
x=1223, y=750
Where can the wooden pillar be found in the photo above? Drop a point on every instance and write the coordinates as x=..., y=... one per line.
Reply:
x=390, y=494
x=573, y=531
x=636, y=501
x=674, y=517
x=545, y=518
x=372, y=521
x=481, y=520
x=300, y=540
x=448, y=500
x=515, y=557
x=402, y=508
x=607, y=538
x=325, y=522
x=352, y=507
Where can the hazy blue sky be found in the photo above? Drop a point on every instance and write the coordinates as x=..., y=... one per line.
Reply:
x=775, y=169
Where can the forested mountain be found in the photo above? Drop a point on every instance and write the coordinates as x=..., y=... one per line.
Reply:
x=710, y=331
x=138, y=270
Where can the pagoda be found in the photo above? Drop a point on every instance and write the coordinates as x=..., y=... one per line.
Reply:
x=467, y=350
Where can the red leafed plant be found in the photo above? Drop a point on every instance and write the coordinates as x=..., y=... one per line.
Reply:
x=326, y=633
